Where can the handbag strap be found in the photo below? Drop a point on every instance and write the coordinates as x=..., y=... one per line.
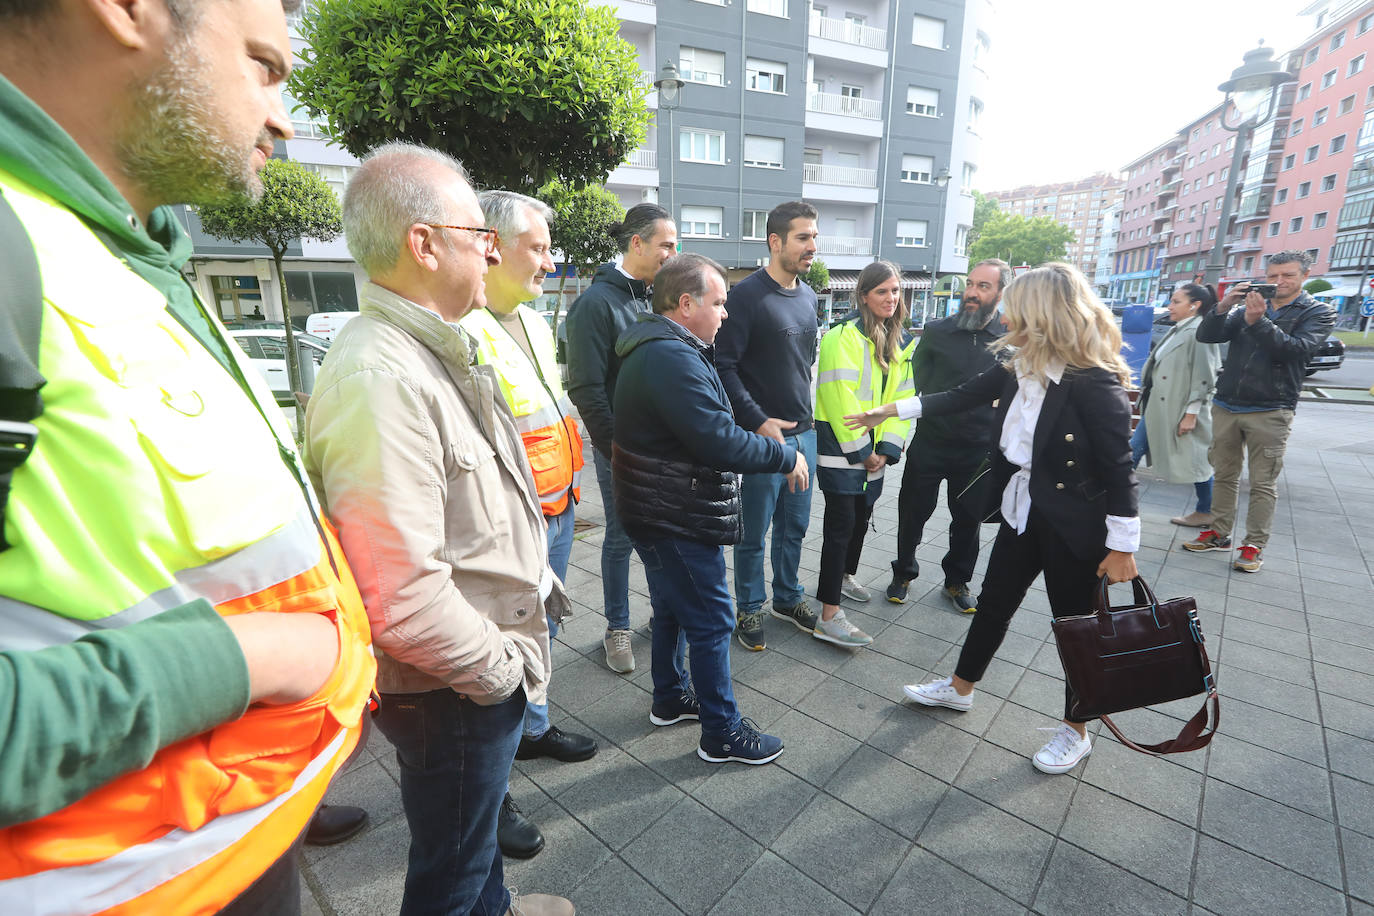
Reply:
x=1191, y=736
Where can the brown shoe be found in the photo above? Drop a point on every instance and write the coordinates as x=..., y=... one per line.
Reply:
x=539, y=905
x=1193, y=520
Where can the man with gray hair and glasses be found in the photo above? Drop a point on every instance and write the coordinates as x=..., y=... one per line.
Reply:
x=421, y=467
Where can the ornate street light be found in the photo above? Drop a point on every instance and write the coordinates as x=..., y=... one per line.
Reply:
x=669, y=84
x=1253, y=90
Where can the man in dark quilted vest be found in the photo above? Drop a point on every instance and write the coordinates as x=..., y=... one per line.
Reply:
x=676, y=455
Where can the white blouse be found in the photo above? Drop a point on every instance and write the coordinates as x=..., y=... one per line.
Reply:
x=1018, y=437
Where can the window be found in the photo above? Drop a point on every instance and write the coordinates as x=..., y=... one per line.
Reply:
x=1328, y=79
x=1304, y=189
x=1337, y=144
x=981, y=44
x=1346, y=106
x=1311, y=154
x=765, y=76
x=928, y=32
x=975, y=113
x=1365, y=24
x=1281, y=196
x=336, y=176
x=1329, y=183
x=1202, y=156
x=966, y=183
x=1319, y=220
x=1273, y=227
x=1288, y=161
x=1356, y=65
x=1211, y=178
x=755, y=225
x=1304, y=92
x=922, y=101
x=911, y=233
x=700, y=66
x=1295, y=224
x=961, y=240
x=917, y=168
x=1337, y=40
x=763, y=152
x=1191, y=162
x=701, y=222
x=702, y=146
x=1319, y=118
x=1295, y=128
x=768, y=7
x=1312, y=53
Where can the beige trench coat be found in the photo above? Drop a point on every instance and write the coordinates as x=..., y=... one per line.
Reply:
x=1181, y=374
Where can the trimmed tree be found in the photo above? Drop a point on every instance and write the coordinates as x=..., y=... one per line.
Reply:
x=1018, y=240
x=818, y=277
x=581, y=230
x=1319, y=285
x=296, y=203
x=520, y=90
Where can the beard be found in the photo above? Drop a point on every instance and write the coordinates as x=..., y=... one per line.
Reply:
x=975, y=319
x=173, y=145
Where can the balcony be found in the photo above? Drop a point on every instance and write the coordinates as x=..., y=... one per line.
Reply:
x=850, y=33
x=848, y=106
x=644, y=12
x=844, y=175
x=639, y=170
x=1242, y=244
x=642, y=159
x=844, y=245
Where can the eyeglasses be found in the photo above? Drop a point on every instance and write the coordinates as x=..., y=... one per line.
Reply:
x=493, y=238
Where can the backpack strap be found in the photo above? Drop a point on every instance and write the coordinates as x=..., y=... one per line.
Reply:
x=21, y=324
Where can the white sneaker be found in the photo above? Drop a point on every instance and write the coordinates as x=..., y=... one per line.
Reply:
x=854, y=591
x=1063, y=752
x=841, y=632
x=939, y=693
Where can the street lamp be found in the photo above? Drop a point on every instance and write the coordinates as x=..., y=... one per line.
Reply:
x=942, y=182
x=669, y=84
x=1254, y=91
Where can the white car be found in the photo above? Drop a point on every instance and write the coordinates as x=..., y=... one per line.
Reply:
x=325, y=325
x=266, y=349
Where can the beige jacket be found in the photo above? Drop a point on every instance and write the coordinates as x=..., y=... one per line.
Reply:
x=416, y=458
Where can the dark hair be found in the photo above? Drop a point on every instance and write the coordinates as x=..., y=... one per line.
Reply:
x=1004, y=272
x=780, y=217
x=685, y=273
x=1205, y=295
x=184, y=13
x=641, y=220
x=1289, y=256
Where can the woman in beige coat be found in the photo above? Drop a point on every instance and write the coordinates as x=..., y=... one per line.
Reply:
x=1176, y=384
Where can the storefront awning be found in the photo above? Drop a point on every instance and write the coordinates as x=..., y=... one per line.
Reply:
x=1344, y=289
x=844, y=280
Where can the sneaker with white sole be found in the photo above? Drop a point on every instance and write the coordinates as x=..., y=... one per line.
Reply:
x=1063, y=752
x=801, y=615
x=839, y=631
x=746, y=744
x=854, y=591
x=620, y=655
x=939, y=693
x=1249, y=559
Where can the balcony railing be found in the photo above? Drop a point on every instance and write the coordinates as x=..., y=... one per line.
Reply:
x=645, y=2
x=839, y=174
x=830, y=103
x=849, y=32
x=1243, y=243
x=843, y=244
x=642, y=159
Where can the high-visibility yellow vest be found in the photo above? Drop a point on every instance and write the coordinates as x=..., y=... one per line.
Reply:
x=156, y=481
x=534, y=391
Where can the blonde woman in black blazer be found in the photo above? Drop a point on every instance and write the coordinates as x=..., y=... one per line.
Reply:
x=1061, y=462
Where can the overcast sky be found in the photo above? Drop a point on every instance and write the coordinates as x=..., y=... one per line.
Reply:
x=1085, y=86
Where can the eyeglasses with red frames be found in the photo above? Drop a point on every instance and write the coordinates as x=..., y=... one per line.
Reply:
x=493, y=238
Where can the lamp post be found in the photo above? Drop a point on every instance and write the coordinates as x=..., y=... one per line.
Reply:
x=1253, y=86
x=942, y=182
x=669, y=84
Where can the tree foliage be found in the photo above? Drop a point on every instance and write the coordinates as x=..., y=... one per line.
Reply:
x=983, y=208
x=520, y=90
x=581, y=228
x=1318, y=285
x=818, y=277
x=1018, y=240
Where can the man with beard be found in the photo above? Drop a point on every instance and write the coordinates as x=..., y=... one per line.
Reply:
x=765, y=355
x=185, y=654
x=950, y=449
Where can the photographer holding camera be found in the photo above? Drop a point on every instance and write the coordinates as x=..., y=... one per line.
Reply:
x=1273, y=329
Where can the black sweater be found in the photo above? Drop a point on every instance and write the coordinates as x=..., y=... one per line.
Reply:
x=595, y=322
x=765, y=351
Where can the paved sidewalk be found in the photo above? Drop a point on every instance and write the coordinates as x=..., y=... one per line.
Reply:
x=877, y=806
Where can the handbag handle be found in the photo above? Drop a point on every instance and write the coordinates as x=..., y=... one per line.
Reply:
x=1191, y=736
x=1143, y=595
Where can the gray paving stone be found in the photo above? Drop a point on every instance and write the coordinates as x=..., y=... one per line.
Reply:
x=1079, y=882
x=898, y=796
x=1159, y=784
x=1272, y=831
x=912, y=647
x=621, y=715
x=1262, y=661
x=1008, y=781
x=1252, y=633
x=852, y=710
x=1350, y=755
x=570, y=853
x=1137, y=839
x=781, y=676
x=761, y=801
x=366, y=876
x=691, y=856
x=842, y=849
x=366, y=784
x=1343, y=682
x=989, y=844
x=915, y=736
x=772, y=887
x=1358, y=851
x=1348, y=716
x=618, y=798
x=613, y=889
x=671, y=752
x=1342, y=655
x=814, y=751
x=1248, y=610
x=1354, y=804
x=1294, y=699
x=927, y=884
x=1229, y=880
x=1288, y=735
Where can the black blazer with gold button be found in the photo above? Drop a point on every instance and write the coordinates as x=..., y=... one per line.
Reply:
x=1081, y=455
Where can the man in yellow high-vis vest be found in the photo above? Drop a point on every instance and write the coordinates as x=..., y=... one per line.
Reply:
x=184, y=654
x=515, y=341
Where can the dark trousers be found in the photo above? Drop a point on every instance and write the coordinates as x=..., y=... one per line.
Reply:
x=277, y=892
x=455, y=758
x=842, y=541
x=921, y=479
x=1015, y=562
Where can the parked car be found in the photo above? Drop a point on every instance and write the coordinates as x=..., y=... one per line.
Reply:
x=266, y=349
x=1329, y=356
x=326, y=324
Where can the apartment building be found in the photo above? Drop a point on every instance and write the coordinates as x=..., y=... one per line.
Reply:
x=1078, y=205
x=1189, y=202
x=1140, y=237
x=868, y=109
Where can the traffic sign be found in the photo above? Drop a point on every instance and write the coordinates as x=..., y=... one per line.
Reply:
x=1367, y=307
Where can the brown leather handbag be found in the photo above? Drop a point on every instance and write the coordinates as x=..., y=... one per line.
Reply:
x=1120, y=658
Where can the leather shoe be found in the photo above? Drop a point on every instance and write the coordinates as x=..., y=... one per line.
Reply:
x=540, y=905
x=334, y=824
x=557, y=744
x=516, y=834
x=1193, y=519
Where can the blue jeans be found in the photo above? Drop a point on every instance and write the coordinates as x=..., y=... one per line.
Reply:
x=455, y=758
x=560, y=540
x=687, y=588
x=765, y=500
x=1140, y=444
x=615, y=553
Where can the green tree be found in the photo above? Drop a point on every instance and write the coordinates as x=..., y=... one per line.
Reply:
x=818, y=277
x=1018, y=240
x=581, y=229
x=983, y=209
x=296, y=203
x=1318, y=285
x=520, y=90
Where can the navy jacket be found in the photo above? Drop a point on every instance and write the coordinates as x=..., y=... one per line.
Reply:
x=595, y=321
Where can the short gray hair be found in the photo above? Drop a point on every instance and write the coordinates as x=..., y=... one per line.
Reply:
x=1004, y=272
x=685, y=273
x=509, y=213
x=1291, y=255
x=391, y=191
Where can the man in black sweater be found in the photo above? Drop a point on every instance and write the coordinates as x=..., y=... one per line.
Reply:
x=765, y=355
x=950, y=450
x=676, y=448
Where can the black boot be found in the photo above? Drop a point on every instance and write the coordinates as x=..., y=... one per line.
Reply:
x=516, y=834
x=334, y=824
